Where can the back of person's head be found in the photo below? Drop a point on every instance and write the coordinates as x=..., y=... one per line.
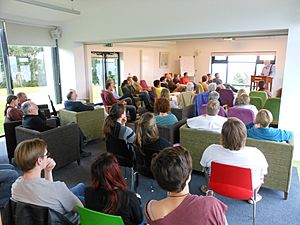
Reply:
x=9, y=99
x=212, y=87
x=146, y=130
x=26, y=107
x=115, y=113
x=244, y=99
x=185, y=74
x=213, y=95
x=70, y=93
x=233, y=134
x=135, y=79
x=162, y=105
x=216, y=75
x=204, y=78
x=106, y=175
x=165, y=93
x=176, y=75
x=172, y=168
x=189, y=86
x=212, y=107
x=124, y=83
x=162, y=79
x=108, y=84
x=240, y=92
x=264, y=117
x=27, y=153
x=156, y=83
x=261, y=84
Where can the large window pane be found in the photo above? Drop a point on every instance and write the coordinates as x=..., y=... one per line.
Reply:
x=3, y=90
x=242, y=58
x=220, y=68
x=239, y=74
x=32, y=72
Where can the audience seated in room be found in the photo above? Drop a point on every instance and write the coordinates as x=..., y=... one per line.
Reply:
x=239, y=93
x=209, y=78
x=11, y=111
x=22, y=97
x=114, y=124
x=233, y=151
x=214, y=95
x=136, y=85
x=33, y=120
x=186, y=98
x=220, y=84
x=165, y=93
x=260, y=128
x=33, y=158
x=204, y=83
x=8, y=175
x=158, y=88
x=114, y=88
x=110, y=99
x=108, y=192
x=163, y=82
x=210, y=121
x=165, y=117
x=262, y=87
x=243, y=101
x=185, y=79
x=172, y=169
x=171, y=84
x=72, y=104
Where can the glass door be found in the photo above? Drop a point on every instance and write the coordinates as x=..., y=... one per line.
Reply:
x=105, y=65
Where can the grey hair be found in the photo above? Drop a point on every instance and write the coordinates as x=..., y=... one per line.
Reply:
x=212, y=87
x=213, y=95
x=190, y=86
x=25, y=107
x=212, y=107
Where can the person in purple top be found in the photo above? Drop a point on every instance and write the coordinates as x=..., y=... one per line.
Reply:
x=172, y=169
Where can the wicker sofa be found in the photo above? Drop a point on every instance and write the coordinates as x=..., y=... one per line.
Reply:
x=62, y=142
x=279, y=155
x=90, y=122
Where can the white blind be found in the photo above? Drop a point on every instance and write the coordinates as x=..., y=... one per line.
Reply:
x=18, y=34
x=243, y=53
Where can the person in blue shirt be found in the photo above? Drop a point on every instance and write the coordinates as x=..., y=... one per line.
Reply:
x=165, y=117
x=72, y=104
x=260, y=128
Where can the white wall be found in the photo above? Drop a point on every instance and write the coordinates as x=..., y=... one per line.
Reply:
x=203, y=50
x=142, y=61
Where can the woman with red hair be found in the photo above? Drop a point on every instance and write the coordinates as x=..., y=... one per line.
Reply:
x=108, y=192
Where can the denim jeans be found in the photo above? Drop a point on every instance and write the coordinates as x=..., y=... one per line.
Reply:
x=78, y=191
x=8, y=175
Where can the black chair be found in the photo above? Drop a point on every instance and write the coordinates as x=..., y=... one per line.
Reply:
x=20, y=213
x=126, y=157
x=10, y=136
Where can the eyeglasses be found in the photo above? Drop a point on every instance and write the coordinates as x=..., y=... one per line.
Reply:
x=47, y=154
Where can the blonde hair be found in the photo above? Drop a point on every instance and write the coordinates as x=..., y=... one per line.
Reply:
x=243, y=99
x=240, y=92
x=264, y=117
x=27, y=153
x=165, y=93
x=146, y=130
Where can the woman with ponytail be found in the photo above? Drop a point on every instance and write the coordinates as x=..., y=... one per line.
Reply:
x=114, y=124
x=11, y=112
x=148, y=142
x=108, y=192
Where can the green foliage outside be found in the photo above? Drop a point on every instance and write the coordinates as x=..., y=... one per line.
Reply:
x=241, y=78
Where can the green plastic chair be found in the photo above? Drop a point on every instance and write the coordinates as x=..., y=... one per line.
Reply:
x=257, y=101
x=120, y=91
x=90, y=217
x=273, y=105
x=262, y=94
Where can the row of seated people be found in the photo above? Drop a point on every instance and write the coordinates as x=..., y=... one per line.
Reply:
x=115, y=125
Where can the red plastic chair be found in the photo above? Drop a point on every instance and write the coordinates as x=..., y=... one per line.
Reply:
x=144, y=85
x=233, y=182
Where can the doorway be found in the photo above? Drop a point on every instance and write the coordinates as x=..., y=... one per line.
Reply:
x=105, y=65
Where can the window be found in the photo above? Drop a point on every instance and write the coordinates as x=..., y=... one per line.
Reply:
x=237, y=68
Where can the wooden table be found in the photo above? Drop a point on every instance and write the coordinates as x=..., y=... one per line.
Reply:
x=255, y=80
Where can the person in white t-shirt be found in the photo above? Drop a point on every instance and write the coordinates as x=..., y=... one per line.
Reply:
x=234, y=152
x=210, y=121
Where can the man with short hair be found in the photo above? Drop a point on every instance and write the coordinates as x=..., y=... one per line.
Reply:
x=210, y=121
x=32, y=157
x=22, y=97
x=72, y=104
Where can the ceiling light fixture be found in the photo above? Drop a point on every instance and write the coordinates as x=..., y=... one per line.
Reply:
x=50, y=6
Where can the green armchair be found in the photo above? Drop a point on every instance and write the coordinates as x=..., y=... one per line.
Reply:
x=90, y=122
